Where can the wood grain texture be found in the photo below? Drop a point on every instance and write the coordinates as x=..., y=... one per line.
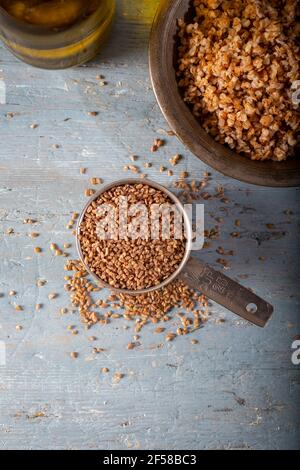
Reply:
x=238, y=387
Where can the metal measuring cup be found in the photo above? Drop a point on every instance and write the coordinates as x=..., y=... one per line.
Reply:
x=194, y=272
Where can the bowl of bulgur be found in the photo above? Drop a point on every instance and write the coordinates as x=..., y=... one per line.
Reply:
x=132, y=262
x=226, y=77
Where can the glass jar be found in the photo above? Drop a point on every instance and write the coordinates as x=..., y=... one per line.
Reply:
x=48, y=40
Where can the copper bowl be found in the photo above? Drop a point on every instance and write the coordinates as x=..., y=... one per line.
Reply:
x=162, y=56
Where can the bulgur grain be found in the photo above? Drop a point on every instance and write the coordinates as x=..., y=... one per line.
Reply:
x=159, y=330
x=117, y=377
x=170, y=337
x=174, y=160
x=157, y=144
x=52, y=296
x=34, y=234
x=95, y=181
x=133, y=168
x=89, y=192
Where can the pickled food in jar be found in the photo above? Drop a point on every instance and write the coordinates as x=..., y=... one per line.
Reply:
x=50, y=14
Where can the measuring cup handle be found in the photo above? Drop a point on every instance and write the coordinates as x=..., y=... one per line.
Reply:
x=226, y=292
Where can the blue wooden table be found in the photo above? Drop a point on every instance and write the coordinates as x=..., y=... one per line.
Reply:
x=238, y=387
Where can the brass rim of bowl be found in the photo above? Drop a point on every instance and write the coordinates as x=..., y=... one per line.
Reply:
x=187, y=225
x=185, y=125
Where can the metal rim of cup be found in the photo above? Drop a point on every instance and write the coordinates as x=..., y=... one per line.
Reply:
x=187, y=226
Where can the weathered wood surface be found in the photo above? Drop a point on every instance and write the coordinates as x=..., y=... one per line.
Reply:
x=238, y=388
